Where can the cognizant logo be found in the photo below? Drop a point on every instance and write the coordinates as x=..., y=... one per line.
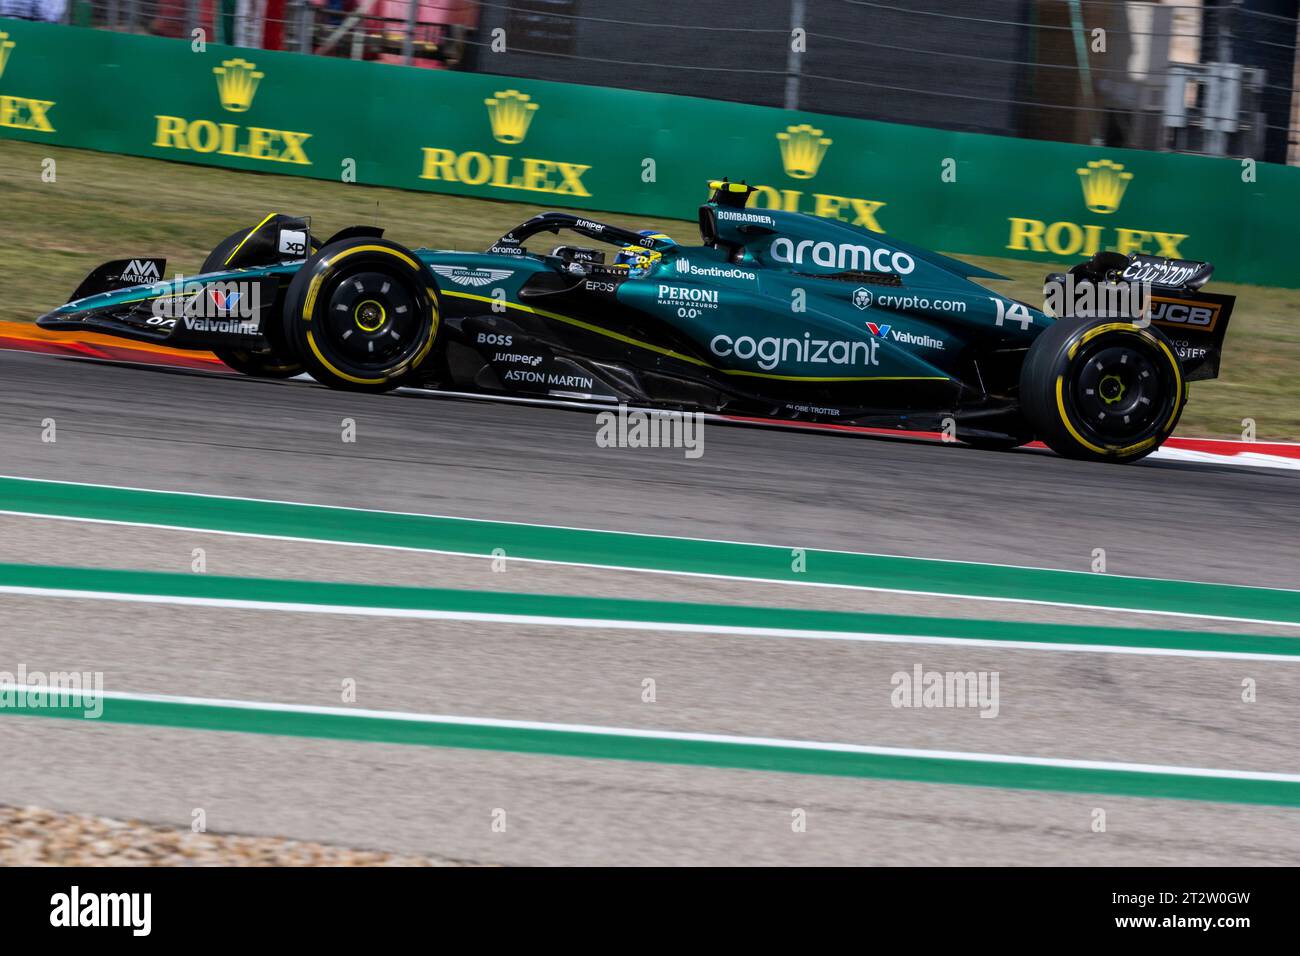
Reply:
x=845, y=256
x=771, y=351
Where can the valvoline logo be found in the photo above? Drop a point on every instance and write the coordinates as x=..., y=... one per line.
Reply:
x=880, y=331
x=223, y=299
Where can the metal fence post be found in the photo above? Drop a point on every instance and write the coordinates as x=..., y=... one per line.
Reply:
x=793, y=59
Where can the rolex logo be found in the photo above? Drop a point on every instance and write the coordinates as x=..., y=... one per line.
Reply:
x=802, y=149
x=510, y=113
x=237, y=84
x=1103, y=184
x=6, y=45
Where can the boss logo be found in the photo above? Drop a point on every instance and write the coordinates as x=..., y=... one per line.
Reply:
x=1185, y=315
x=491, y=338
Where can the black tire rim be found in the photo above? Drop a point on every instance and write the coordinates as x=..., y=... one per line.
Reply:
x=1122, y=392
x=371, y=319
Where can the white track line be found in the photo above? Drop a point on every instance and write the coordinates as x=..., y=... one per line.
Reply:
x=682, y=736
x=673, y=627
x=556, y=527
x=949, y=595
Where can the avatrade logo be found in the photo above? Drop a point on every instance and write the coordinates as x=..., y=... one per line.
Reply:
x=140, y=272
x=686, y=267
x=846, y=256
x=471, y=276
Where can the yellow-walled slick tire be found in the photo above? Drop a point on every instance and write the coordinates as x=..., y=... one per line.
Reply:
x=363, y=314
x=1102, y=389
x=273, y=362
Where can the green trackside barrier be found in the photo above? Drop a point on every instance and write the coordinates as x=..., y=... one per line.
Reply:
x=567, y=145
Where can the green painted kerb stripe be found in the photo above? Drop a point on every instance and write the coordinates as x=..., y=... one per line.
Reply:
x=371, y=596
x=615, y=549
x=666, y=750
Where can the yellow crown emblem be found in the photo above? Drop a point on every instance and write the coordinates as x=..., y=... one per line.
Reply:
x=510, y=113
x=1103, y=184
x=6, y=45
x=237, y=84
x=802, y=149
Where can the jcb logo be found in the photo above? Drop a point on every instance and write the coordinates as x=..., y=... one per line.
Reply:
x=1182, y=314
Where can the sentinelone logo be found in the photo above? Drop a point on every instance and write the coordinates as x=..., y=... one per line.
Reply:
x=21, y=112
x=510, y=114
x=237, y=84
x=803, y=147
x=1104, y=184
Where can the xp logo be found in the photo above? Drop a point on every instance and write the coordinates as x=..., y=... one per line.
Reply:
x=862, y=298
x=879, y=331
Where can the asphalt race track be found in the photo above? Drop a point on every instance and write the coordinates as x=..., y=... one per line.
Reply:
x=215, y=434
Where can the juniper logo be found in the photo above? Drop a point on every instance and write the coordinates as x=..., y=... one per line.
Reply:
x=510, y=113
x=237, y=82
x=802, y=150
x=1103, y=184
x=6, y=45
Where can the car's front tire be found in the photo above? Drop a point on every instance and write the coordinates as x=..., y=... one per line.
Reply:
x=1102, y=389
x=363, y=314
x=275, y=361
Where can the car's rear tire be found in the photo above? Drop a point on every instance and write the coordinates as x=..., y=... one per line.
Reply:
x=276, y=361
x=1102, y=389
x=364, y=315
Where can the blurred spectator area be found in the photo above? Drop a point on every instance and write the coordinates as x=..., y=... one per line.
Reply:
x=1216, y=77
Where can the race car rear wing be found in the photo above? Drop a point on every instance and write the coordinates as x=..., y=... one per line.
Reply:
x=1195, y=322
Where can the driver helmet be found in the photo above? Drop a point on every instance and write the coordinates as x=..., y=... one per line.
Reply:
x=639, y=259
